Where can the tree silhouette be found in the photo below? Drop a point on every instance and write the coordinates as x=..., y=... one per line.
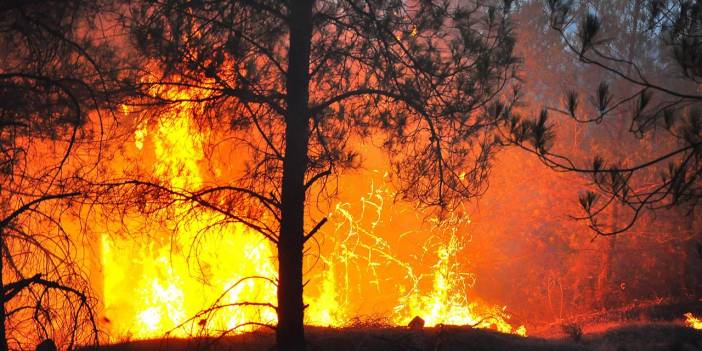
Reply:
x=52, y=74
x=293, y=83
x=659, y=99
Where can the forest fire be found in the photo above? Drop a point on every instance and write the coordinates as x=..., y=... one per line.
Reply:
x=204, y=279
x=365, y=175
x=154, y=287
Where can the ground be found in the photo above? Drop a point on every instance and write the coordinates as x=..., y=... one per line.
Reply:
x=634, y=337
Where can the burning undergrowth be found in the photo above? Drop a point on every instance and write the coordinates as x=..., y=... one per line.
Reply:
x=183, y=272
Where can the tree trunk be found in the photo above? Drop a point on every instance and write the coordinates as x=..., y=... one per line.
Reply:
x=683, y=249
x=605, y=286
x=3, y=316
x=290, y=333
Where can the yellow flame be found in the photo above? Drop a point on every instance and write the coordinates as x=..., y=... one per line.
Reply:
x=154, y=284
x=692, y=321
x=357, y=243
x=446, y=303
x=185, y=276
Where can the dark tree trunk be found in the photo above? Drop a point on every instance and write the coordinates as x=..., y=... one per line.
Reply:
x=684, y=247
x=290, y=333
x=606, y=288
x=3, y=315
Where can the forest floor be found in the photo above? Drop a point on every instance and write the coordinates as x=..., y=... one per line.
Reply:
x=644, y=326
x=634, y=337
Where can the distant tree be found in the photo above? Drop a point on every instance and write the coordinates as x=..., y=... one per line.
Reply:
x=54, y=70
x=658, y=100
x=294, y=81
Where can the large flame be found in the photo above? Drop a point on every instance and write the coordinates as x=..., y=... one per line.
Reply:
x=192, y=276
x=158, y=283
x=439, y=296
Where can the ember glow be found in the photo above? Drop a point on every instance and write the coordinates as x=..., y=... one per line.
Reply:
x=196, y=276
x=692, y=321
x=439, y=295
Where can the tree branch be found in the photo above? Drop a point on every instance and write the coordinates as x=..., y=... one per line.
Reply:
x=316, y=228
x=29, y=205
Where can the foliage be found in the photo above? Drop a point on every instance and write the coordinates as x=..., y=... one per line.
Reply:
x=290, y=85
x=656, y=98
x=53, y=72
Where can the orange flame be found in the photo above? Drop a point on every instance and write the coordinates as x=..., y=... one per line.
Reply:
x=154, y=286
x=173, y=280
x=359, y=244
